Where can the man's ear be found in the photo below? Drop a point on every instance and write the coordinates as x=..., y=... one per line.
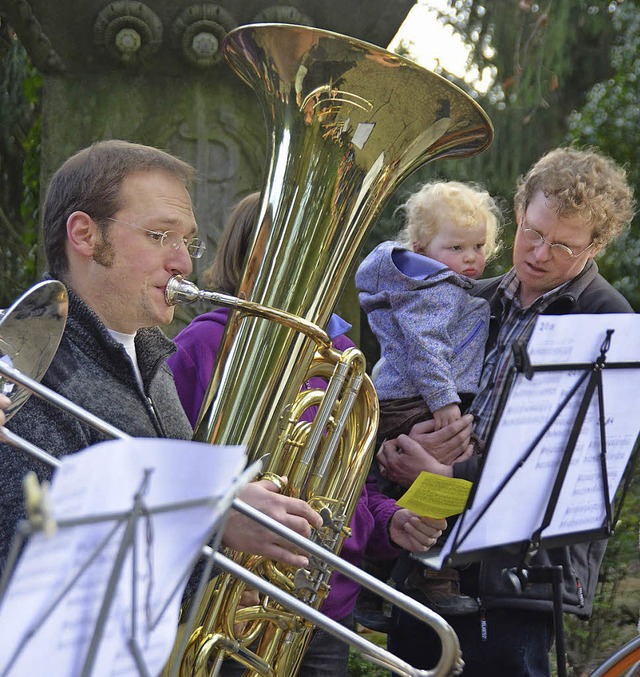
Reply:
x=519, y=215
x=82, y=233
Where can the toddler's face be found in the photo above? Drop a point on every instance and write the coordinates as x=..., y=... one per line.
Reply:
x=459, y=248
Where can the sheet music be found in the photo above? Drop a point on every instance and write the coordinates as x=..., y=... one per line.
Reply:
x=102, y=481
x=561, y=339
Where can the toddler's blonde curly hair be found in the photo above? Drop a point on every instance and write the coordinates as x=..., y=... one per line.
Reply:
x=463, y=204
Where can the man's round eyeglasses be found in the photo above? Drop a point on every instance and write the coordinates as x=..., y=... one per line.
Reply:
x=169, y=238
x=561, y=250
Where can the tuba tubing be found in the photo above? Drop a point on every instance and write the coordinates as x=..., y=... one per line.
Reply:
x=450, y=660
x=179, y=290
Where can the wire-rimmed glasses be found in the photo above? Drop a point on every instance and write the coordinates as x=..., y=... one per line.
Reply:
x=536, y=239
x=170, y=238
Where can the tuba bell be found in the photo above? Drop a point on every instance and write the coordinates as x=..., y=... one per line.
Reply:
x=347, y=122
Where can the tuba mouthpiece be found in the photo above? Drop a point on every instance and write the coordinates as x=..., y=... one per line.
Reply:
x=179, y=290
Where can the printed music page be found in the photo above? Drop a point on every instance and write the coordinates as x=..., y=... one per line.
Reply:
x=166, y=537
x=517, y=511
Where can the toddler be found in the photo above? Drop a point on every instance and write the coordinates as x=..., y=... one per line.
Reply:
x=432, y=332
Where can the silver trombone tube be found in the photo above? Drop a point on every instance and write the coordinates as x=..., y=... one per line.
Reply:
x=372, y=652
x=14, y=440
x=450, y=660
x=450, y=647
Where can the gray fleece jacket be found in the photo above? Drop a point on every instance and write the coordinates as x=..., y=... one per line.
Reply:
x=432, y=333
x=93, y=370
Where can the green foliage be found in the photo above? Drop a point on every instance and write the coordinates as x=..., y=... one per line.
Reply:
x=20, y=85
x=615, y=614
x=359, y=667
x=609, y=120
x=30, y=207
x=535, y=48
x=544, y=57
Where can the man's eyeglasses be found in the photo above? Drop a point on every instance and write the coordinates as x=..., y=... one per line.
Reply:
x=561, y=250
x=169, y=238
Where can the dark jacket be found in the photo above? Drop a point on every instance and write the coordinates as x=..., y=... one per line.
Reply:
x=588, y=293
x=93, y=370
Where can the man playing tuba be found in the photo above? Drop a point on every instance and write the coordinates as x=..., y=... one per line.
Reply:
x=118, y=222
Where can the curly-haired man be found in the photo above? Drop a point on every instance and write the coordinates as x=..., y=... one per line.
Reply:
x=568, y=207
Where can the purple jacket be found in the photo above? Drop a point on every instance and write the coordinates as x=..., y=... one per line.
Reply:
x=192, y=366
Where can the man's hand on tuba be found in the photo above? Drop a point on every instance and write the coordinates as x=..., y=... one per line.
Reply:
x=247, y=536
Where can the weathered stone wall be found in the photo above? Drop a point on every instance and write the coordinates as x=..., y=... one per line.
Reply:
x=152, y=73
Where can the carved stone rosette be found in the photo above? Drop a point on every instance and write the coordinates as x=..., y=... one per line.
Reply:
x=128, y=31
x=198, y=32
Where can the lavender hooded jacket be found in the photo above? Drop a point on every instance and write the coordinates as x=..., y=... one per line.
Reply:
x=192, y=366
x=432, y=333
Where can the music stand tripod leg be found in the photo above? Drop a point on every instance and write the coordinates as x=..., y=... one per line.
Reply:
x=554, y=576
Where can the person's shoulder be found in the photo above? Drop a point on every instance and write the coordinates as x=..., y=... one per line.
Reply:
x=213, y=320
x=342, y=342
x=600, y=296
x=65, y=363
x=589, y=293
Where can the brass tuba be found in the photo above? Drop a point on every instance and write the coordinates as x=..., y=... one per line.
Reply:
x=347, y=122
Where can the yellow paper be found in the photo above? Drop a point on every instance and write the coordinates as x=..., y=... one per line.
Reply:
x=436, y=496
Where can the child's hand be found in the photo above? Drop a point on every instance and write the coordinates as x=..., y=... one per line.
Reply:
x=446, y=415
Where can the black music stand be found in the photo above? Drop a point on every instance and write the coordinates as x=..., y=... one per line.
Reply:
x=588, y=385
x=123, y=549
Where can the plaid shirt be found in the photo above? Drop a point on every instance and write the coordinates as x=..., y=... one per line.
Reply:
x=516, y=323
